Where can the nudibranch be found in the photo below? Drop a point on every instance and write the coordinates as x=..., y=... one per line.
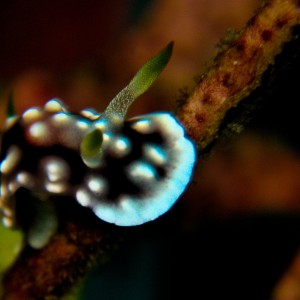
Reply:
x=127, y=172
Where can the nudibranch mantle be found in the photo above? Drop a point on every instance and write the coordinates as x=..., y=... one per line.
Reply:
x=127, y=172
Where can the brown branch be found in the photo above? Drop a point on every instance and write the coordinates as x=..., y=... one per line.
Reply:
x=82, y=239
x=238, y=69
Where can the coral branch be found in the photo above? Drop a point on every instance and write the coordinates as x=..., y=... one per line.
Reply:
x=238, y=69
x=50, y=272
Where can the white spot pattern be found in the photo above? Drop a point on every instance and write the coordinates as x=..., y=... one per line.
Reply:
x=12, y=159
x=175, y=155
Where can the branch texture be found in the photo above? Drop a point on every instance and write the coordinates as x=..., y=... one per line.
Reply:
x=238, y=69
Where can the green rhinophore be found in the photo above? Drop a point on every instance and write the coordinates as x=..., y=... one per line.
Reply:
x=91, y=144
x=140, y=83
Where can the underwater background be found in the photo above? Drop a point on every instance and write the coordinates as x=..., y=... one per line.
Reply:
x=235, y=232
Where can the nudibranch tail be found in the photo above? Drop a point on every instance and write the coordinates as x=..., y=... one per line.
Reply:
x=140, y=83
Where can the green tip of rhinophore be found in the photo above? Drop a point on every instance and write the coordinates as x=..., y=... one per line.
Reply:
x=10, y=110
x=91, y=144
x=150, y=71
x=140, y=83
